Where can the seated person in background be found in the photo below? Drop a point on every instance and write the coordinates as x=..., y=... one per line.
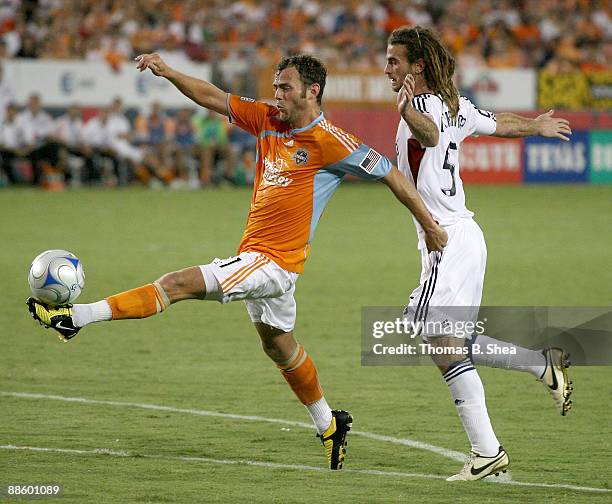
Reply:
x=186, y=152
x=97, y=147
x=153, y=132
x=41, y=146
x=217, y=160
x=243, y=146
x=11, y=143
x=145, y=166
x=69, y=133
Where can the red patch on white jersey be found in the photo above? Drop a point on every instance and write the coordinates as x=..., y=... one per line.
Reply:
x=415, y=155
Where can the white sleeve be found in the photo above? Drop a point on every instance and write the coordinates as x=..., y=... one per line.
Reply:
x=479, y=122
x=126, y=126
x=44, y=126
x=26, y=131
x=430, y=105
x=60, y=127
x=89, y=132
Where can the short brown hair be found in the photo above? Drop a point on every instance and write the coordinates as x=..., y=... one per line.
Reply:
x=311, y=70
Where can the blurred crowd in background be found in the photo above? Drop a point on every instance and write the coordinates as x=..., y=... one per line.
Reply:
x=158, y=148
x=176, y=147
x=351, y=33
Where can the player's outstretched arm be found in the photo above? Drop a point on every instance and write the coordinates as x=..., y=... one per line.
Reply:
x=406, y=193
x=422, y=127
x=203, y=93
x=512, y=126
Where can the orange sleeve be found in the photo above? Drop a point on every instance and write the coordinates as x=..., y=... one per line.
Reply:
x=336, y=144
x=250, y=115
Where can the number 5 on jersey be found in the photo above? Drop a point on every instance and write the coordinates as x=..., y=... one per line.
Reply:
x=450, y=161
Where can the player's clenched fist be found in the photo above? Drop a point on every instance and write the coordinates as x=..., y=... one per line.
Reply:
x=436, y=239
x=152, y=62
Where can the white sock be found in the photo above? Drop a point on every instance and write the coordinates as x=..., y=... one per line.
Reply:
x=517, y=358
x=83, y=314
x=468, y=393
x=321, y=414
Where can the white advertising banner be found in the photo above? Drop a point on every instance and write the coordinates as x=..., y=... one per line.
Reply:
x=358, y=88
x=501, y=89
x=494, y=89
x=61, y=82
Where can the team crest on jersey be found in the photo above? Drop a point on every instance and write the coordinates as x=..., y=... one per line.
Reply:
x=301, y=157
x=370, y=160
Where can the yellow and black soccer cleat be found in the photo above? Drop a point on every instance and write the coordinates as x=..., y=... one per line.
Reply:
x=556, y=379
x=57, y=317
x=334, y=438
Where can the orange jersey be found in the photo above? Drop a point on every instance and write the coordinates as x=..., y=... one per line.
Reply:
x=297, y=172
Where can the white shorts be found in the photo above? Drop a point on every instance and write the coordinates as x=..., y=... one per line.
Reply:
x=451, y=278
x=266, y=288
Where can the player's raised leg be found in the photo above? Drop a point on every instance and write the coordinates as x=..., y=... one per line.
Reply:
x=299, y=371
x=137, y=303
x=549, y=366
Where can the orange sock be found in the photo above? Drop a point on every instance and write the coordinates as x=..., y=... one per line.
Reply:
x=138, y=303
x=301, y=375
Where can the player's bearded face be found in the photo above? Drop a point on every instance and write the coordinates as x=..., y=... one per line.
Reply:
x=290, y=95
x=397, y=66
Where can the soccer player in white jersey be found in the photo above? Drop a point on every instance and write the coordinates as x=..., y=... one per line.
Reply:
x=434, y=121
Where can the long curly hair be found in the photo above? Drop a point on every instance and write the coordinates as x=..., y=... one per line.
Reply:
x=439, y=62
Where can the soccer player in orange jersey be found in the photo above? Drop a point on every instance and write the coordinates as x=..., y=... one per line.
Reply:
x=301, y=160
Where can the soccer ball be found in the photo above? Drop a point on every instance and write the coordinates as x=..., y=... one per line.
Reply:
x=56, y=277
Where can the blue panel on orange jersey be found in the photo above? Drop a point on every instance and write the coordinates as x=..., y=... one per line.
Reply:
x=554, y=160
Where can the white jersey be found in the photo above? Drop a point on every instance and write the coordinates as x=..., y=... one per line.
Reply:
x=11, y=135
x=95, y=133
x=69, y=130
x=118, y=127
x=435, y=170
x=36, y=127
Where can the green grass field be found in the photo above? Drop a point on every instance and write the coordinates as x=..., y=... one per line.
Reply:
x=548, y=245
